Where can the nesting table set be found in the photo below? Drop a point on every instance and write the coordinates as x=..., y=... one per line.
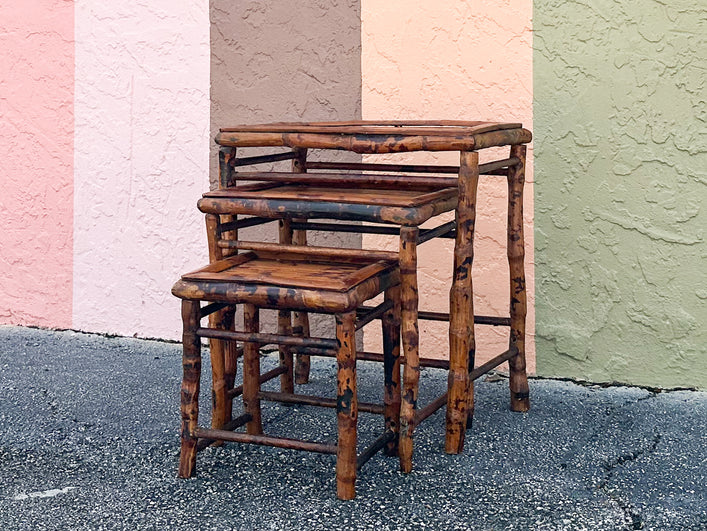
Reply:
x=297, y=279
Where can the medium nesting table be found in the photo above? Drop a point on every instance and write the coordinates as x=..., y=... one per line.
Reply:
x=397, y=198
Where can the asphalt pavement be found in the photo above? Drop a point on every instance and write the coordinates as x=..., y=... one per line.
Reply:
x=89, y=440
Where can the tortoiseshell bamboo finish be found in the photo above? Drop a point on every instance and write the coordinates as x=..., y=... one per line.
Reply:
x=461, y=322
x=410, y=337
x=403, y=200
x=520, y=396
x=300, y=320
x=337, y=282
x=380, y=137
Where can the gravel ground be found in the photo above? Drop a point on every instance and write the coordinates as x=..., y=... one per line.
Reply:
x=88, y=440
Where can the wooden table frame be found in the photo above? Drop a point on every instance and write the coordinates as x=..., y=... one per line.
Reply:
x=391, y=137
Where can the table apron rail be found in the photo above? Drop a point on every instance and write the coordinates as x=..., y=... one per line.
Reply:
x=496, y=167
x=489, y=168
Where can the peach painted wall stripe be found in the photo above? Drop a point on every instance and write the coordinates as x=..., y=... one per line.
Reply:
x=456, y=60
x=141, y=159
x=36, y=150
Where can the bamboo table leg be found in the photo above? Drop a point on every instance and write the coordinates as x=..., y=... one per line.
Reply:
x=300, y=319
x=226, y=350
x=461, y=319
x=300, y=328
x=300, y=323
x=191, y=365
x=520, y=396
x=391, y=355
x=284, y=321
x=251, y=371
x=410, y=339
x=346, y=407
x=223, y=353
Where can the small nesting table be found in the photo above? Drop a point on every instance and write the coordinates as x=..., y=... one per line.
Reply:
x=398, y=198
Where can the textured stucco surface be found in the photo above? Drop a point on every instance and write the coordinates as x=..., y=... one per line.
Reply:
x=455, y=60
x=621, y=152
x=141, y=161
x=36, y=173
x=279, y=61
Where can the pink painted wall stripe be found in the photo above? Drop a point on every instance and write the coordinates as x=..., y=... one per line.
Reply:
x=36, y=149
x=141, y=158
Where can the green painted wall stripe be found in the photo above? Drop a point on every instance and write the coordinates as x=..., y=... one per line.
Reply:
x=621, y=181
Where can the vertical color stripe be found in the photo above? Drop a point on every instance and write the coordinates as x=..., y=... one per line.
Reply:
x=456, y=60
x=36, y=149
x=142, y=121
x=621, y=143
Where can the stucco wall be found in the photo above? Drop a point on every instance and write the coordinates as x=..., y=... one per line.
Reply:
x=141, y=160
x=284, y=61
x=278, y=61
x=105, y=138
x=36, y=172
x=621, y=152
x=455, y=60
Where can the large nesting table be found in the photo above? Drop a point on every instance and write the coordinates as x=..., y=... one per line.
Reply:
x=396, y=199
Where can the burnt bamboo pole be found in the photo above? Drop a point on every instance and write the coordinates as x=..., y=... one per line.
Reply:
x=224, y=355
x=284, y=321
x=362, y=126
x=265, y=339
x=265, y=377
x=489, y=168
x=261, y=159
x=368, y=140
x=479, y=371
x=347, y=406
x=376, y=357
x=353, y=180
x=313, y=251
x=446, y=229
x=301, y=329
x=211, y=308
x=490, y=364
x=327, y=353
x=230, y=426
x=251, y=371
x=391, y=368
x=245, y=223
x=231, y=354
x=266, y=440
x=461, y=327
x=189, y=404
x=300, y=320
x=319, y=401
x=284, y=327
x=410, y=339
x=431, y=408
x=380, y=442
x=518, y=380
x=478, y=319
x=443, y=316
x=363, y=318
x=346, y=227
x=223, y=369
x=472, y=344
x=226, y=158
